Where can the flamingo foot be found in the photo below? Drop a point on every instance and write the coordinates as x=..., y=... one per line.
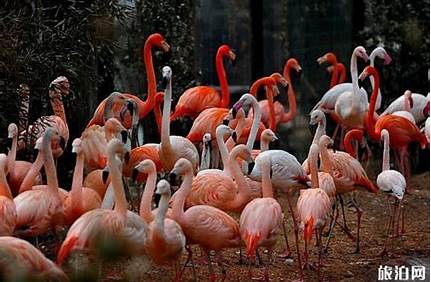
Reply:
x=285, y=254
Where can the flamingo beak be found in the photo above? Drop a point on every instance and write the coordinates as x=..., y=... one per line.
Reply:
x=9, y=143
x=105, y=174
x=232, y=57
x=135, y=173
x=234, y=136
x=321, y=60
x=124, y=136
x=251, y=167
x=387, y=59
x=165, y=46
x=173, y=179
x=62, y=143
x=127, y=157
x=164, y=82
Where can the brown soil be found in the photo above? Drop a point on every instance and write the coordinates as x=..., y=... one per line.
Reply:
x=339, y=264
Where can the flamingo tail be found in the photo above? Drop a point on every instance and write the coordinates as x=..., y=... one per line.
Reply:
x=308, y=229
x=251, y=242
x=65, y=249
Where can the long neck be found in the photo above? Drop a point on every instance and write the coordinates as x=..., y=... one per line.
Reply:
x=31, y=175
x=342, y=71
x=266, y=180
x=50, y=170
x=385, y=163
x=255, y=125
x=145, y=207
x=205, y=157
x=270, y=97
x=334, y=77
x=225, y=96
x=11, y=156
x=151, y=76
x=312, y=162
x=223, y=151
x=326, y=160
x=243, y=187
x=320, y=131
x=354, y=73
x=117, y=185
x=372, y=80
x=264, y=144
x=347, y=142
x=4, y=186
x=372, y=107
x=290, y=96
x=57, y=106
x=165, y=139
x=161, y=212
x=76, y=191
x=158, y=116
x=178, y=205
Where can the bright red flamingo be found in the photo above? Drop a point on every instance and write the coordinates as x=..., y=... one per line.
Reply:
x=341, y=72
x=194, y=100
x=331, y=59
x=291, y=64
x=270, y=83
x=112, y=106
x=402, y=132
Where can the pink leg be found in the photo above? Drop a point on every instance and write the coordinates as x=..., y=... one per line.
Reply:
x=295, y=227
x=286, y=253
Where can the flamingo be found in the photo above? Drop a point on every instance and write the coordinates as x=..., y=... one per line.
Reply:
x=266, y=137
x=402, y=131
x=173, y=148
x=105, y=225
x=113, y=106
x=261, y=220
x=7, y=206
x=41, y=208
x=21, y=260
x=407, y=111
x=313, y=207
x=206, y=153
x=166, y=240
x=341, y=70
x=331, y=59
x=196, y=99
x=17, y=169
x=58, y=88
x=270, y=83
x=381, y=53
x=158, y=100
x=418, y=108
x=291, y=64
x=207, y=226
x=392, y=183
x=80, y=199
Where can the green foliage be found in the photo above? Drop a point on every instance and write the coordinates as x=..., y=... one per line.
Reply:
x=402, y=27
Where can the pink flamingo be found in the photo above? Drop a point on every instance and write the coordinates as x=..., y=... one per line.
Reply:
x=392, y=183
x=80, y=199
x=7, y=206
x=98, y=225
x=58, y=88
x=261, y=220
x=21, y=260
x=41, y=208
x=173, y=148
x=166, y=240
x=17, y=169
x=203, y=225
x=196, y=99
x=313, y=207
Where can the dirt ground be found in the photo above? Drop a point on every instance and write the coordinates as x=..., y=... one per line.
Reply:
x=339, y=264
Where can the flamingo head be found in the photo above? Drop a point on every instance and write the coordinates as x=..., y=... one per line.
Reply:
x=245, y=101
x=76, y=146
x=145, y=166
x=163, y=187
x=369, y=70
x=181, y=167
x=12, y=130
x=225, y=50
x=382, y=54
x=268, y=135
x=223, y=130
x=361, y=53
x=316, y=117
x=60, y=85
x=115, y=127
x=158, y=40
x=327, y=58
x=167, y=76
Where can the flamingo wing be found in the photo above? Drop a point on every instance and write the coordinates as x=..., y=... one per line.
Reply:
x=8, y=216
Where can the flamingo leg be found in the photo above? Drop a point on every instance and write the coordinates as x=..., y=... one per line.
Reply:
x=334, y=218
x=334, y=135
x=319, y=263
x=286, y=253
x=389, y=229
x=295, y=228
x=212, y=277
x=220, y=262
x=402, y=220
x=359, y=213
x=189, y=258
x=341, y=144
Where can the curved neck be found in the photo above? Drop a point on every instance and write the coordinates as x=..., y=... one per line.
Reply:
x=347, y=142
x=342, y=71
x=238, y=176
x=183, y=192
x=372, y=107
x=266, y=180
x=372, y=79
x=145, y=207
x=320, y=131
x=354, y=74
x=255, y=126
x=326, y=160
x=117, y=185
x=161, y=212
x=4, y=186
x=165, y=138
x=158, y=116
x=225, y=96
x=385, y=163
x=76, y=191
x=223, y=150
x=151, y=76
x=334, y=77
x=11, y=156
x=205, y=157
x=31, y=175
x=270, y=98
x=264, y=144
x=50, y=170
x=290, y=96
x=57, y=105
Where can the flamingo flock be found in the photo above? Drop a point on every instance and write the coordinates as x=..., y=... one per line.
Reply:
x=226, y=190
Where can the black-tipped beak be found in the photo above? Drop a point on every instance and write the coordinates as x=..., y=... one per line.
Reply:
x=9, y=143
x=233, y=62
x=360, y=83
x=234, y=136
x=127, y=157
x=250, y=167
x=173, y=179
x=62, y=143
x=312, y=127
x=164, y=82
x=299, y=73
x=234, y=112
x=226, y=122
x=135, y=173
x=130, y=107
x=270, y=173
x=105, y=175
x=124, y=136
